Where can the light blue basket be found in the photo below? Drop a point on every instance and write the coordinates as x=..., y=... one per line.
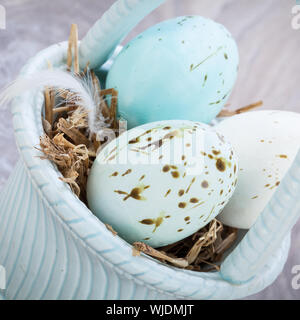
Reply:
x=53, y=247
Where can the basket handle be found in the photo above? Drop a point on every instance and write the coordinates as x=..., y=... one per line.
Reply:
x=268, y=232
x=105, y=35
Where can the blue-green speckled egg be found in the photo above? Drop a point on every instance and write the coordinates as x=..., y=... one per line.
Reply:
x=184, y=68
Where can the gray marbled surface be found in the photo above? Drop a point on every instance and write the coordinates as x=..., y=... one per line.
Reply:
x=269, y=67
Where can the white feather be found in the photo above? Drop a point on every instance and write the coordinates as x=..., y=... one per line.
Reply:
x=83, y=88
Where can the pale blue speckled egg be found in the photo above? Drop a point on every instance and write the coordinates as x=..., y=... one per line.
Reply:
x=162, y=181
x=184, y=68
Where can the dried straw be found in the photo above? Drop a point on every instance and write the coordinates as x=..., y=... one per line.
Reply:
x=204, y=248
x=229, y=113
x=73, y=49
x=67, y=141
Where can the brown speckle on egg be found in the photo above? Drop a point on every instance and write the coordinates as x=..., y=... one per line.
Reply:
x=189, y=187
x=135, y=140
x=147, y=221
x=276, y=185
x=112, y=157
x=282, y=156
x=114, y=174
x=182, y=205
x=198, y=204
x=135, y=194
x=255, y=197
x=187, y=218
x=127, y=172
x=167, y=193
x=216, y=152
x=175, y=174
x=204, y=184
x=179, y=230
x=114, y=149
x=221, y=165
x=180, y=192
x=166, y=168
x=194, y=200
x=157, y=222
x=120, y=192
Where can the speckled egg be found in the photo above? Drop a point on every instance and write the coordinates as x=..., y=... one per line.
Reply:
x=161, y=182
x=266, y=143
x=184, y=68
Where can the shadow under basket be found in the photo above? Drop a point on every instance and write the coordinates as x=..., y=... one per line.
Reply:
x=53, y=247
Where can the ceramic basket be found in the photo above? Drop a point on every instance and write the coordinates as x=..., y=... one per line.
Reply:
x=53, y=247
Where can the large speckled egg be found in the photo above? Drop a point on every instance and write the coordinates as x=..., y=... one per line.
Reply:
x=266, y=143
x=162, y=181
x=184, y=68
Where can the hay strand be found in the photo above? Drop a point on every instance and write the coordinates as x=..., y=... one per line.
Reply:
x=229, y=113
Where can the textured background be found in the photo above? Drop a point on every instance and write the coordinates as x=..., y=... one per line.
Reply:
x=269, y=67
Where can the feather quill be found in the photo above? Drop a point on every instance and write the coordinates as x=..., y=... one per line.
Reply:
x=84, y=92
